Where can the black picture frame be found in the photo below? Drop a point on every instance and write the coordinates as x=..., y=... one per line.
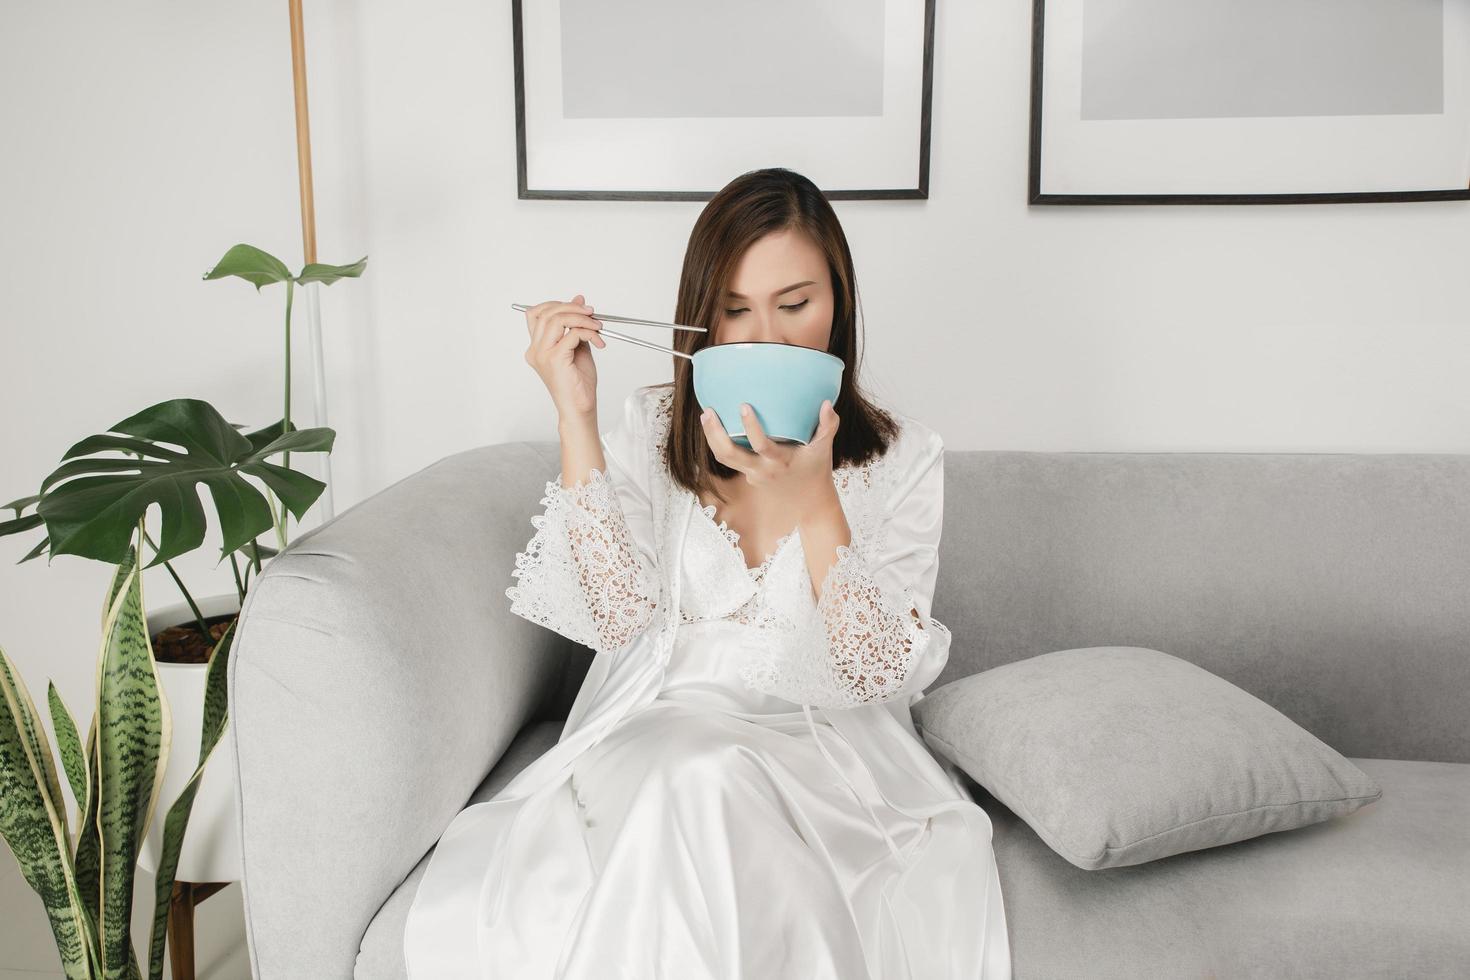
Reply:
x=524, y=192
x=1035, y=195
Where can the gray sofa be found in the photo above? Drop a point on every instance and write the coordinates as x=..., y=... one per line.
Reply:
x=379, y=684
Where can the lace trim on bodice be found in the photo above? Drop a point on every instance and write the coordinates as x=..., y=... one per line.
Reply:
x=857, y=643
x=856, y=647
x=584, y=576
x=733, y=536
x=749, y=581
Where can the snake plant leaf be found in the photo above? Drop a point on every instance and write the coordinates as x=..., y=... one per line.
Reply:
x=36, y=745
x=134, y=729
x=89, y=841
x=328, y=274
x=92, y=514
x=69, y=742
x=88, y=861
x=119, y=582
x=216, y=708
x=32, y=820
x=251, y=264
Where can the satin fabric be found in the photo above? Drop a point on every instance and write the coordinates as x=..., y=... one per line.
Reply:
x=686, y=826
x=716, y=832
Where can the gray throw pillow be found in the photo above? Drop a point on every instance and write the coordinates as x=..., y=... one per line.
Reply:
x=1121, y=755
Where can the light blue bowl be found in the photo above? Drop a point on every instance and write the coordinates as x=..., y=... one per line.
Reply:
x=785, y=384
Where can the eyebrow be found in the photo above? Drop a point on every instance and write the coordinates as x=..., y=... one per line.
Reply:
x=797, y=285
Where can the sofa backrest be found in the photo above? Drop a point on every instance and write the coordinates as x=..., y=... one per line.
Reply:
x=1333, y=586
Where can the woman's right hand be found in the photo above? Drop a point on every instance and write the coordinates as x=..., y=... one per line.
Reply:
x=557, y=354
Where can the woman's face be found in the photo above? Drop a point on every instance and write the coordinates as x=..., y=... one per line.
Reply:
x=780, y=293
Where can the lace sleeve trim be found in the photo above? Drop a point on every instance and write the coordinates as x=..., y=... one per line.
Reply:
x=582, y=575
x=856, y=647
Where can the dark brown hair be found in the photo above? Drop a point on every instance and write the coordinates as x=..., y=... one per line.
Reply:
x=751, y=206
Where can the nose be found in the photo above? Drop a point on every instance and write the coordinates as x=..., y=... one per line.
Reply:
x=766, y=330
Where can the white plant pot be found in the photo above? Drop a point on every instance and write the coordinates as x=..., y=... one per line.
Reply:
x=211, y=849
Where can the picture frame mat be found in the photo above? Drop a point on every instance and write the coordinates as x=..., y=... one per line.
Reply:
x=1327, y=154
x=689, y=154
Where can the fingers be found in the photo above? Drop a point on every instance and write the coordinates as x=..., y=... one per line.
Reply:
x=575, y=335
x=759, y=441
x=541, y=317
x=536, y=314
x=827, y=423
x=720, y=443
x=727, y=451
x=560, y=325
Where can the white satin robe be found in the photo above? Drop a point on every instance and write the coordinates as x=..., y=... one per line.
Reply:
x=690, y=824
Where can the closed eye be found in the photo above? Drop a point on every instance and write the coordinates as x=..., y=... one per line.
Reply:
x=743, y=309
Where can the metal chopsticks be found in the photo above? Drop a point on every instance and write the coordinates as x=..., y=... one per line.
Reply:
x=628, y=337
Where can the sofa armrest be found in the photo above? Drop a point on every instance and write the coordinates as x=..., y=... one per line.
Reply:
x=376, y=677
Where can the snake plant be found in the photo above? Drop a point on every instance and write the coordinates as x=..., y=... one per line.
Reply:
x=91, y=506
x=85, y=877
x=94, y=506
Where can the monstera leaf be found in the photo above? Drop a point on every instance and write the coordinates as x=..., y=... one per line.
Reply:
x=23, y=522
x=181, y=443
x=260, y=268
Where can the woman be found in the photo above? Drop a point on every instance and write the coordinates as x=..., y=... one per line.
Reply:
x=739, y=790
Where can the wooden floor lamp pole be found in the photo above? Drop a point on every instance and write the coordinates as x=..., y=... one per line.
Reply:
x=308, y=242
x=188, y=894
x=303, y=132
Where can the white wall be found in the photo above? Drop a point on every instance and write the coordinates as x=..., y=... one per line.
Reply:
x=143, y=140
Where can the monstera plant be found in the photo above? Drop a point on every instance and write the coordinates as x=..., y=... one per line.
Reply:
x=90, y=504
x=94, y=505
x=92, y=514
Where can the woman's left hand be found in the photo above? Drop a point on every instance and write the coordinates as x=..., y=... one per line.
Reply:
x=797, y=478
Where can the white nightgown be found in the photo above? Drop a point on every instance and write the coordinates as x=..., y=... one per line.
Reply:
x=718, y=830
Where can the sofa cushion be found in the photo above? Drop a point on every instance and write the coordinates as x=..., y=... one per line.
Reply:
x=381, y=954
x=1374, y=894
x=1120, y=755
x=1378, y=893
